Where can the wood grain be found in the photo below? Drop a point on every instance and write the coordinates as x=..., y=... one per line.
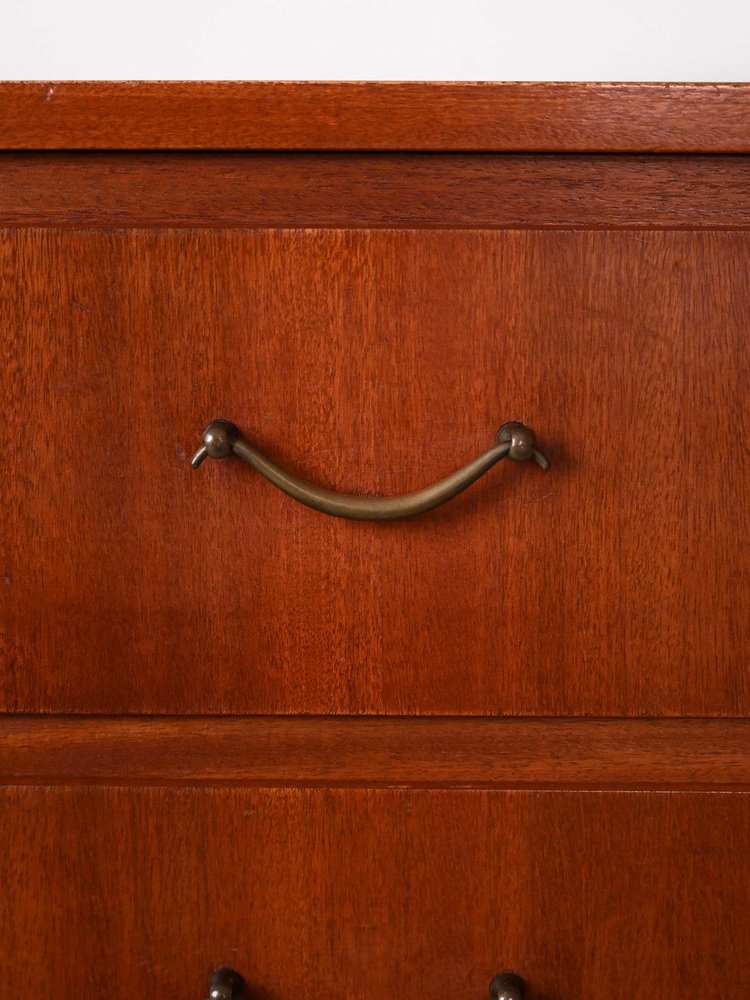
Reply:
x=373, y=190
x=369, y=320
x=616, y=584
x=375, y=894
x=509, y=753
x=531, y=117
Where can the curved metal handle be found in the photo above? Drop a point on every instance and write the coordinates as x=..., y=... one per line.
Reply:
x=507, y=986
x=514, y=440
x=226, y=984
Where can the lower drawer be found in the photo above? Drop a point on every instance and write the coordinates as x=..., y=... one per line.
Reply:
x=374, y=894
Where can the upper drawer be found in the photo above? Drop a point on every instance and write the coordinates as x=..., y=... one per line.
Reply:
x=373, y=345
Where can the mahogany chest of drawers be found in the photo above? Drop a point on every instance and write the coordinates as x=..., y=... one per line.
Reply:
x=412, y=732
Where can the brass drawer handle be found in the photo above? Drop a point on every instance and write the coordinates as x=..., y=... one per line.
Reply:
x=226, y=984
x=514, y=440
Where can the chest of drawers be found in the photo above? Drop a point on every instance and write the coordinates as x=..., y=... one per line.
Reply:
x=375, y=756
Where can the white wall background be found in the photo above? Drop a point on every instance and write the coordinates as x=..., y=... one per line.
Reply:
x=676, y=40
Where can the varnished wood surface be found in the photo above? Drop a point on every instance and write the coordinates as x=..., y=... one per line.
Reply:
x=376, y=362
x=415, y=895
x=375, y=858
x=515, y=753
x=373, y=190
x=567, y=117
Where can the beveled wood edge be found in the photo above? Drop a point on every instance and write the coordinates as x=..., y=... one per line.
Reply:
x=373, y=190
x=602, y=754
x=531, y=117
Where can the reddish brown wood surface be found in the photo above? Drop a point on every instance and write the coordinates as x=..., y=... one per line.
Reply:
x=538, y=753
x=373, y=190
x=376, y=361
x=417, y=302
x=589, y=117
x=418, y=895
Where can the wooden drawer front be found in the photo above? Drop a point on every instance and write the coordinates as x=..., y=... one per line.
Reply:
x=123, y=892
x=616, y=583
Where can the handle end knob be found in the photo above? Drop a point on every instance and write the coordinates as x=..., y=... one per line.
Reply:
x=224, y=984
x=218, y=442
x=522, y=441
x=507, y=986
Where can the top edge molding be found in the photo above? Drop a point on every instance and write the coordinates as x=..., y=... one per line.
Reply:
x=377, y=116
